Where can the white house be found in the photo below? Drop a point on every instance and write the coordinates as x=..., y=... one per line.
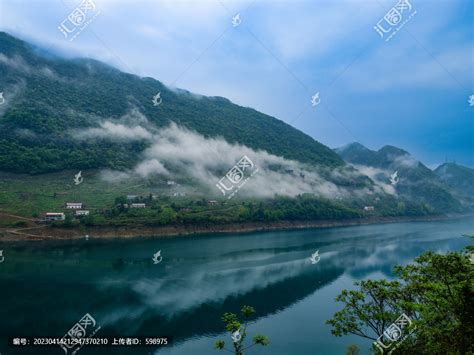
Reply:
x=368, y=208
x=79, y=213
x=74, y=205
x=54, y=216
x=137, y=205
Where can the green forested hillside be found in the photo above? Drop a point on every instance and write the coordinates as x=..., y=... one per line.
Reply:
x=47, y=96
x=416, y=182
x=459, y=178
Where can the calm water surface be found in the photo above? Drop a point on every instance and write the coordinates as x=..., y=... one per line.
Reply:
x=45, y=288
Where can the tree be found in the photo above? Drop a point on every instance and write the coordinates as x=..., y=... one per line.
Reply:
x=88, y=220
x=120, y=200
x=435, y=292
x=239, y=332
x=167, y=215
x=68, y=221
x=352, y=350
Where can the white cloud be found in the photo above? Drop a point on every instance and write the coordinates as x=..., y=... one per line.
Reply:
x=176, y=152
x=378, y=176
x=406, y=161
x=150, y=167
x=114, y=131
x=17, y=63
x=131, y=126
x=9, y=94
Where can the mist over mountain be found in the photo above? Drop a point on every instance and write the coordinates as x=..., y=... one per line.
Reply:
x=459, y=178
x=48, y=97
x=61, y=114
x=413, y=180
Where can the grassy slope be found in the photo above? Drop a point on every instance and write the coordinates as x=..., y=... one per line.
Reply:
x=32, y=196
x=35, y=194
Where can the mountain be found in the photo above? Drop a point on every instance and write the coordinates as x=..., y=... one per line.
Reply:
x=389, y=158
x=356, y=153
x=459, y=178
x=48, y=96
x=48, y=99
x=416, y=183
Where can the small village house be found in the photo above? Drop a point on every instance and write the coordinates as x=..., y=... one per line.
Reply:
x=74, y=205
x=137, y=205
x=80, y=213
x=369, y=208
x=54, y=216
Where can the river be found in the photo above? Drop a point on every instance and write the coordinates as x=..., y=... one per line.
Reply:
x=46, y=287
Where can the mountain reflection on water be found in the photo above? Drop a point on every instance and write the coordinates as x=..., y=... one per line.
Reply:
x=47, y=287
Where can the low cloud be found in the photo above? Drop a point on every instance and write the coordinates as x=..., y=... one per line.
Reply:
x=380, y=177
x=131, y=127
x=175, y=152
x=114, y=131
x=17, y=63
x=9, y=94
x=149, y=167
x=206, y=160
x=406, y=161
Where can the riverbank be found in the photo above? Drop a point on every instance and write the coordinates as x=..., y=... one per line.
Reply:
x=49, y=233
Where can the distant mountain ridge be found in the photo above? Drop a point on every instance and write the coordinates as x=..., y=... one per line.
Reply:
x=416, y=181
x=356, y=153
x=46, y=96
x=459, y=178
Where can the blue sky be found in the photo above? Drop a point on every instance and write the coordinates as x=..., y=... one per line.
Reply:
x=411, y=92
